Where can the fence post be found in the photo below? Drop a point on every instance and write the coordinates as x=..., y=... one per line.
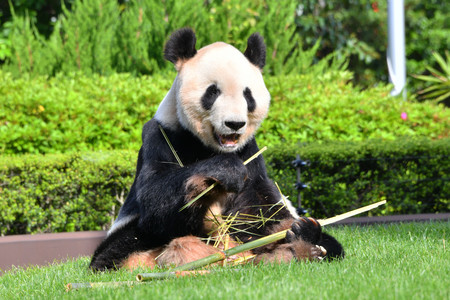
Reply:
x=299, y=185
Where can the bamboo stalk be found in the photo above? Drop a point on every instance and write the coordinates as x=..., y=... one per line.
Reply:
x=215, y=183
x=164, y=275
x=90, y=285
x=171, y=274
x=249, y=246
x=351, y=213
x=218, y=256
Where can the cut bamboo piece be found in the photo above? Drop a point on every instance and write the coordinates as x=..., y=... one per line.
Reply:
x=91, y=285
x=350, y=213
x=248, y=246
x=109, y=284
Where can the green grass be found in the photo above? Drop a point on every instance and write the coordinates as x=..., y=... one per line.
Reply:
x=399, y=261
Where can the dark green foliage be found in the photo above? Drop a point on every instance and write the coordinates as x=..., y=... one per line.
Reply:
x=357, y=29
x=411, y=174
x=129, y=35
x=67, y=192
x=101, y=36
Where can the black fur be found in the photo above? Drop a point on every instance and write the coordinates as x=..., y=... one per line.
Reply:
x=256, y=50
x=181, y=45
x=210, y=96
x=251, y=103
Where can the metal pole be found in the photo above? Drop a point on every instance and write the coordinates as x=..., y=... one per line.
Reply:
x=396, y=60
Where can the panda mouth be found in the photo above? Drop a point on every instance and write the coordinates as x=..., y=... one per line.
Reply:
x=228, y=140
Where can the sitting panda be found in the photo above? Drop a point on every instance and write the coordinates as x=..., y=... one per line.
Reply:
x=210, y=114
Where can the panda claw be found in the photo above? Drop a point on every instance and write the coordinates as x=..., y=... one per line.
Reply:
x=290, y=236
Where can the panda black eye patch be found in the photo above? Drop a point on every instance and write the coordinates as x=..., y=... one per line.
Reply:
x=210, y=96
x=251, y=103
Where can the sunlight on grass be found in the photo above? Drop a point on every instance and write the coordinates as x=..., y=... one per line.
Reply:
x=399, y=261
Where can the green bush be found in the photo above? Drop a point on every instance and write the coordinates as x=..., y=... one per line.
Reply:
x=83, y=191
x=78, y=113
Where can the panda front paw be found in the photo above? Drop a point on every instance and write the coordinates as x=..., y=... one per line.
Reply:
x=304, y=236
x=306, y=229
x=230, y=172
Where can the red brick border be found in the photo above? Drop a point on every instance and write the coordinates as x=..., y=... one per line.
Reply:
x=42, y=249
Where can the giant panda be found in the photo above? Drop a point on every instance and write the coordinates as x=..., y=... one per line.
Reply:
x=210, y=114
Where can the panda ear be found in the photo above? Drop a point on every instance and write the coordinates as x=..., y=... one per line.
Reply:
x=180, y=46
x=256, y=50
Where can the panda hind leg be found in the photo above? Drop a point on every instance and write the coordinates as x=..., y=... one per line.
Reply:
x=118, y=246
x=184, y=250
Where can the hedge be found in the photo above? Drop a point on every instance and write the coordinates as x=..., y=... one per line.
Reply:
x=78, y=113
x=83, y=191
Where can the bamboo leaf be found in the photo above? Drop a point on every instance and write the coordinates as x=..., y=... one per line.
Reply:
x=434, y=94
x=431, y=88
x=442, y=63
x=443, y=97
x=436, y=73
x=427, y=78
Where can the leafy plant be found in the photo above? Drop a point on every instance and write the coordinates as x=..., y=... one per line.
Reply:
x=439, y=88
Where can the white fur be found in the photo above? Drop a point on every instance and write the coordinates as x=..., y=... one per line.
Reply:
x=167, y=110
x=119, y=223
x=290, y=207
x=230, y=70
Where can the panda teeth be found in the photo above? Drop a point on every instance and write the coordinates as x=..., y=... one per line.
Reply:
x=228, y=140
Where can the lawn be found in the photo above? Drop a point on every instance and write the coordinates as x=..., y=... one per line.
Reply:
x=397, y=261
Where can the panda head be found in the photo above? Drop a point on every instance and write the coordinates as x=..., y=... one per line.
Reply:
x=219, y=93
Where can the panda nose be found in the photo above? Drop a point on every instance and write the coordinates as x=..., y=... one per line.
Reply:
x=234, y=125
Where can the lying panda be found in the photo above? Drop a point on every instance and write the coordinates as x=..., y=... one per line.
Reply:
x=210, y=116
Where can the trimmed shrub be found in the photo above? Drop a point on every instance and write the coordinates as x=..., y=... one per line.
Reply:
x=71, y=192
x=79, y=113
x=63, y=192
x=411, y=174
